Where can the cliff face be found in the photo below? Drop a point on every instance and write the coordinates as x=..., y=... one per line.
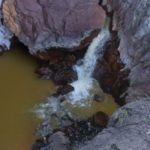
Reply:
x=42, y=24
x=129, y=127
x=132, y=21
x=5, y=34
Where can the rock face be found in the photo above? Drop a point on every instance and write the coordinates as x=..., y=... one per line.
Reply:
x=129, y=128
x=5, y=34
x=58, y=142
x=132, y=20
x=43, y=24
x=110, y=72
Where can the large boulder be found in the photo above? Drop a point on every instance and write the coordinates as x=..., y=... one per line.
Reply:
x=44, y=24
x=128, y=129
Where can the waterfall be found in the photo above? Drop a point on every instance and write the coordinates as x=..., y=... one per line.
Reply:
x=85, y=80
x=53, y=110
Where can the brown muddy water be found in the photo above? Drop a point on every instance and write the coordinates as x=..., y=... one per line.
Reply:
x=20, y=91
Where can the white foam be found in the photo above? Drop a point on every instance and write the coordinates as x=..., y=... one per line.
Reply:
x=85, y=83
x=84, y=88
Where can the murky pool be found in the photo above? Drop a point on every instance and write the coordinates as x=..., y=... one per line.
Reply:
x=20, y=90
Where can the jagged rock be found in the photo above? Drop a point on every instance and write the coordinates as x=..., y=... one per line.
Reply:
x=64, y=89
x=43, y=24
x=109, y=71
x=57, y=141
x=5, y=34
x=100, y=119
x=132, y=21
x=129, y=128
x=57, y=65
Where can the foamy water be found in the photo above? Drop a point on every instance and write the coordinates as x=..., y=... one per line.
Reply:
x=85, y=80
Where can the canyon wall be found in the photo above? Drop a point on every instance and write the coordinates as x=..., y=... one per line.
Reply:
x=129, y=127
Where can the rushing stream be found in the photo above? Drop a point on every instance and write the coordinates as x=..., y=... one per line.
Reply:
x=85, y=82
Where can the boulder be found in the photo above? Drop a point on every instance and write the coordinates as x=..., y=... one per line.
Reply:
x=128, y=128
x=44, y=24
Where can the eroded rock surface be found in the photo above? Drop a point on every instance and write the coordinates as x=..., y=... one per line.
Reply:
x=129, y=128
x=110, y=72
x=5, y=34
x=132, y=20
x=42, y=24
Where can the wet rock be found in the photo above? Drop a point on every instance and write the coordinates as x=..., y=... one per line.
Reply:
x=128, y=129
x=132, y=19
x=64, y=89
x=65, y=76
x=82, y=131
x=100, y=119
x=5, y=34
x=40, y=26
x=98, y=98
x=45, y=73
x=39, y=144
x=57, y=65
x=109, y=71
x=57, y=141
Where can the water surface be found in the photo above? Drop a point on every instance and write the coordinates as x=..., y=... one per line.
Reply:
x=20, y=90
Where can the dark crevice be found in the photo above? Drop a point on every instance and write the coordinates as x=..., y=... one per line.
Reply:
x=109, y=71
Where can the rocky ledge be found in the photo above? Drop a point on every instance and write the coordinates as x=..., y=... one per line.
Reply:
x=41, y=25
x=129, y=127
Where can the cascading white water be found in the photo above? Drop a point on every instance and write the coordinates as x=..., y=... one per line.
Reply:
x=84, y=88
x=85, y=81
